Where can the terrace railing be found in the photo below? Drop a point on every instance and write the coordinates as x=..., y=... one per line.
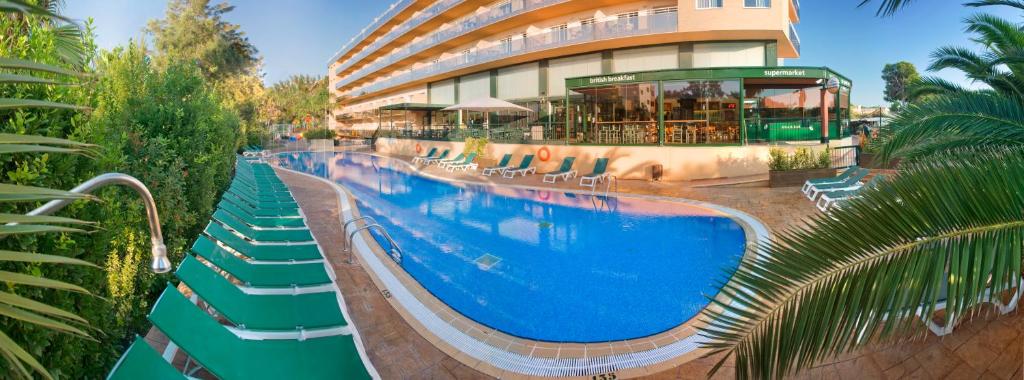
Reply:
x=427, y=14
x=665, y=22
x=845, y=156
x=467, y=25
x=794, y=38
x=377, y=22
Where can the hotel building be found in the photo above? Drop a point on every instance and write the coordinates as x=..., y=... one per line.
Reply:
x=698, y=86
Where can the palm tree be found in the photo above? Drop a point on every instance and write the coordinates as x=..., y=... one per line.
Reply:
x=949, y=227
x=19, y=362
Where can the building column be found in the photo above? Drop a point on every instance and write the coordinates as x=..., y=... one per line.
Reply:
x=824, y=115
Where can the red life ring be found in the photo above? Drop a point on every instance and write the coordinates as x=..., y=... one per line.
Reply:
x=544, y=154
x=544, y=195
x=418, y=148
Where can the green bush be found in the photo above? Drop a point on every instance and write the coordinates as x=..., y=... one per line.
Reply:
x=166, y=127
x=476, y=145
x=801, y=158
x=319, y=133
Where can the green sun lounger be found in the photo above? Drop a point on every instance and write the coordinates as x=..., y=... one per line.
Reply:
x=227, y=356
x=429, y=155
x=599, y=174
x=287, y=205
x=143, y=362
x=254, y=211
x=261, y=312
x=261, y=221
x=261, y=196
x=255, y=202
x=444, y=155
x=261, y=275
x=261, y=234
x=523, y=168
x=274, y=252
x=269, y=191
x=564, y=172
x=500, y=167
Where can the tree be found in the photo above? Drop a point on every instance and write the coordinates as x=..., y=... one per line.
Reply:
x=299, y=97
x=195, y=31
x=865, y=274
x=899, y=77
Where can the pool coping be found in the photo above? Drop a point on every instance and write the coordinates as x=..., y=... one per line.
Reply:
x=503, y=356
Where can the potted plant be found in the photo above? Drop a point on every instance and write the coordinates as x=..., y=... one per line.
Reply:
x=796, y=167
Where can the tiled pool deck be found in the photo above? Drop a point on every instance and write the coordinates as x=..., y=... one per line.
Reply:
x=985, y=347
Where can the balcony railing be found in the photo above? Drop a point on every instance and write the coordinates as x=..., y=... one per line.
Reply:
x=666, y=22
x=377, y=22
x=794, y=38
x=427, y=14
x=796, y=7
x=467, y=25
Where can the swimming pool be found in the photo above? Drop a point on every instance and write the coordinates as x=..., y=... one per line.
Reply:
x=543, y=265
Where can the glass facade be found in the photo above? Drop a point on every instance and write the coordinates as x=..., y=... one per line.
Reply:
x=625, y=114
x=701, y=112
x=721, y=106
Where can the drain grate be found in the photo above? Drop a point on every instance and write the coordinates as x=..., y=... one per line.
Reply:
x=487, y=261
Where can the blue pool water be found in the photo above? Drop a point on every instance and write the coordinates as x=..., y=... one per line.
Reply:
x=543, y=265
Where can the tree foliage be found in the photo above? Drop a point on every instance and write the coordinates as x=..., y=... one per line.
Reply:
x=899, y=77
x=867, y=273
x=195, y=31
x=298, y=98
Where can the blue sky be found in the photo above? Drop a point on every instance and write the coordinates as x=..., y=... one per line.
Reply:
x=298, y=37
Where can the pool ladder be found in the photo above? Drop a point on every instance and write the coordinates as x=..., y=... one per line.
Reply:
x=370, y=223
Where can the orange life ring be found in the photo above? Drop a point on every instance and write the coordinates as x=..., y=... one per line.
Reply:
x=418, y=148
x=544, y=195
x=544, y=154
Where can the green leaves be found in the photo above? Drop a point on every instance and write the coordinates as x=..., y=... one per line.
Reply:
x=864, y=274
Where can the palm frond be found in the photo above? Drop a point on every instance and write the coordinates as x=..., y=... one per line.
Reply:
x=887, y=7
x=932, y=86
x=863, y=274
x=978, y=119
x=1019, y=4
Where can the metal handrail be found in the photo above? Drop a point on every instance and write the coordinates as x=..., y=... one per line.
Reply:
x=608, y=185
x=160, y=264
x=396, y=251
x=344, y=227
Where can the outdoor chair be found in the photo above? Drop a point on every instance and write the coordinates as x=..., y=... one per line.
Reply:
x=523, y=168
x=500, y=168
x=564, y=172
x=599, y=174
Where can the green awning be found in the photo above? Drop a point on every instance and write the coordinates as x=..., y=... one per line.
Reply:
x=414, y=107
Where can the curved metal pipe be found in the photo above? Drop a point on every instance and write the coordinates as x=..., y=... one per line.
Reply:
x=161, y=264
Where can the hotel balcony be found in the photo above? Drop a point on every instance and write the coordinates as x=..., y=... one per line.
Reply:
x=644, y=24
x=463, y=31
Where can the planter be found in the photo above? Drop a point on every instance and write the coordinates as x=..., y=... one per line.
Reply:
x=786, y=178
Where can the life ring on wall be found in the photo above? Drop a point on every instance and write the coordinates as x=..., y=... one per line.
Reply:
x=544, y=154
x=418, y=148
x=544, y=195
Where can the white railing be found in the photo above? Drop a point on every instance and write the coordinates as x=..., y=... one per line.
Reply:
x=427, y=14
x=644, y=24
x=377, y=22
x=467, y=25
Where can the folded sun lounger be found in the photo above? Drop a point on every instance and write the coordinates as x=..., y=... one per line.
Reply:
x=141, y=361
x=831, y=198
x=261, y=275
x=500, y=168
x=260, y=312
x=523, y=168
x=289, y=235
x=227, y=356
x=564, y=172
x=274, y=252
x=261, y=221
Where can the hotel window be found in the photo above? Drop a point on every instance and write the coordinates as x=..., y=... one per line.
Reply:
x=757, y=3
x=709, y=4
x=504, y=8
x=663, y=10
